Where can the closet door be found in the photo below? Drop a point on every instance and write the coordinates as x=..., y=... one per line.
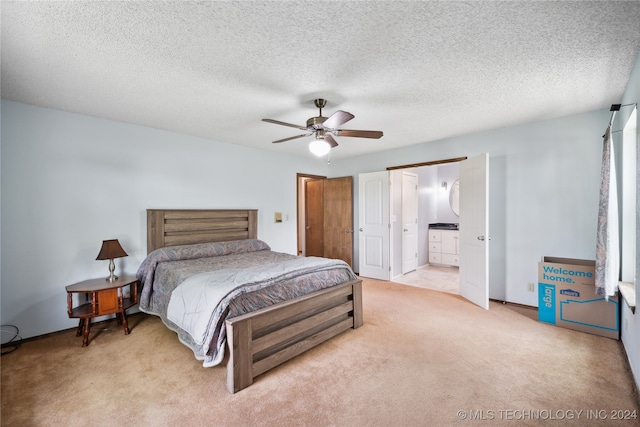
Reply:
x=329, y=218
x=409, y=222
x=338, y=219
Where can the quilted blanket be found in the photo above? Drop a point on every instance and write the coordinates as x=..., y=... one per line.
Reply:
x=194, y=296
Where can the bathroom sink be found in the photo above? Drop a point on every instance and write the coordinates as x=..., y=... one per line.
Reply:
x=443, y=226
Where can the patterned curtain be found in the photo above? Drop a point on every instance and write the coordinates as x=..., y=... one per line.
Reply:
x=607, y=246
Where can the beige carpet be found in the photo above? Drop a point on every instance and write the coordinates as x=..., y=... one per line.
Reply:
x=422, y=358
x=435, y=277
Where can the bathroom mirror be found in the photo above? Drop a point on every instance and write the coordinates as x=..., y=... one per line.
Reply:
x=454, y=197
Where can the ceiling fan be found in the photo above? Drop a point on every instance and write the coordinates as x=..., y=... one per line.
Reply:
x=325, y=128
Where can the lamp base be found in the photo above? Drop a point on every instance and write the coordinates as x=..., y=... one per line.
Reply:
x=112, y=267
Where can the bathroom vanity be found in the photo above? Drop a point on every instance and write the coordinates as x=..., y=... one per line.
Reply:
x=443, y=244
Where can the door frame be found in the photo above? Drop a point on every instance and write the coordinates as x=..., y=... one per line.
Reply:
x=431, y=163
x=300, y=208
x=338, y=197
x=417, y=165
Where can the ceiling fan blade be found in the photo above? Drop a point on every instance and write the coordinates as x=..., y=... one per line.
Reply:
x=359, y=133
x=332, y=142
x=277, y=122
x=292, y=137
x=336, y=119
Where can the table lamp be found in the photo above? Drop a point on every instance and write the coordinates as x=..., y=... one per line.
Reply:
x=111, y=249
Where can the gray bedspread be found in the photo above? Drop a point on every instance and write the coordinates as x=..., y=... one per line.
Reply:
x=166, y=269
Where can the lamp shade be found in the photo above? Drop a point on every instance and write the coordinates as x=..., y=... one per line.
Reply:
x=111, y=249
x=319, y=147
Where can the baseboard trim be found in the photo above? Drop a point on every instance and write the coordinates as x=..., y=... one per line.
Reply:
x=531, y=307
x=63, y=331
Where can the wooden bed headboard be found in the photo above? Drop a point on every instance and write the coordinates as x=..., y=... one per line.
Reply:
x=170, y=227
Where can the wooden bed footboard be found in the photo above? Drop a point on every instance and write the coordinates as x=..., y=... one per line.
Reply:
x=264, y=339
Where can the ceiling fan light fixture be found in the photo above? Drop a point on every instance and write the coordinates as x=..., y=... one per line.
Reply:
x=319, y=147
x=324, y=129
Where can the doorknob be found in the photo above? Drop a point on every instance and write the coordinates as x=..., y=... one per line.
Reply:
x=350, y=230
x=308, y=227
x=361, y=229
x=406, y=229
x=481, y=238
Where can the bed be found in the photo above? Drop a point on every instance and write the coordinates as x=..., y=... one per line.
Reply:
x=228, y=296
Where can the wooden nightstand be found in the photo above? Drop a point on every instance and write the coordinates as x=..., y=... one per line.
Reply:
x=103, y=297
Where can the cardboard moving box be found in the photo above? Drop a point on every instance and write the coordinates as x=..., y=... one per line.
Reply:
x=567, y=298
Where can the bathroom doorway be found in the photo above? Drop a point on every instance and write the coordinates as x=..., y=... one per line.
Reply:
x=435, y=185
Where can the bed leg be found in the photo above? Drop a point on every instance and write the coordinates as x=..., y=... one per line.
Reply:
x=357, y=304
x=239, y=365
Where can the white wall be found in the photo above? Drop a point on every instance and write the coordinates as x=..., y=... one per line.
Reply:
x=448, y=173
x=70, y=181
x=543, y=192
x=630, y=321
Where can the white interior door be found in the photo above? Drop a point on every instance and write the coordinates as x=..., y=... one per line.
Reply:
x=409, y=222
x=373, y=225
x=474, y=230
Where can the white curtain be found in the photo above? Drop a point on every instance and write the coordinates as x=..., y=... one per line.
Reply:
x=607, y=244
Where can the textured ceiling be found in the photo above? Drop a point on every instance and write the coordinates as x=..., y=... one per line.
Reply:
x=419, y=71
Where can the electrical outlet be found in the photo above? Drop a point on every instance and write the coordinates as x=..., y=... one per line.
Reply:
x=531, y=287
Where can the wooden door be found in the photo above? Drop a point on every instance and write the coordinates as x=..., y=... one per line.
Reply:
x=314, y=217
x=338, y=219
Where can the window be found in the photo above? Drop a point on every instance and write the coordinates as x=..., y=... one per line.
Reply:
x=629, y=287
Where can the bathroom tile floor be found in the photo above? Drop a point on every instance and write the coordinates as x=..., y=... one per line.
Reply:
x=437, y=278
